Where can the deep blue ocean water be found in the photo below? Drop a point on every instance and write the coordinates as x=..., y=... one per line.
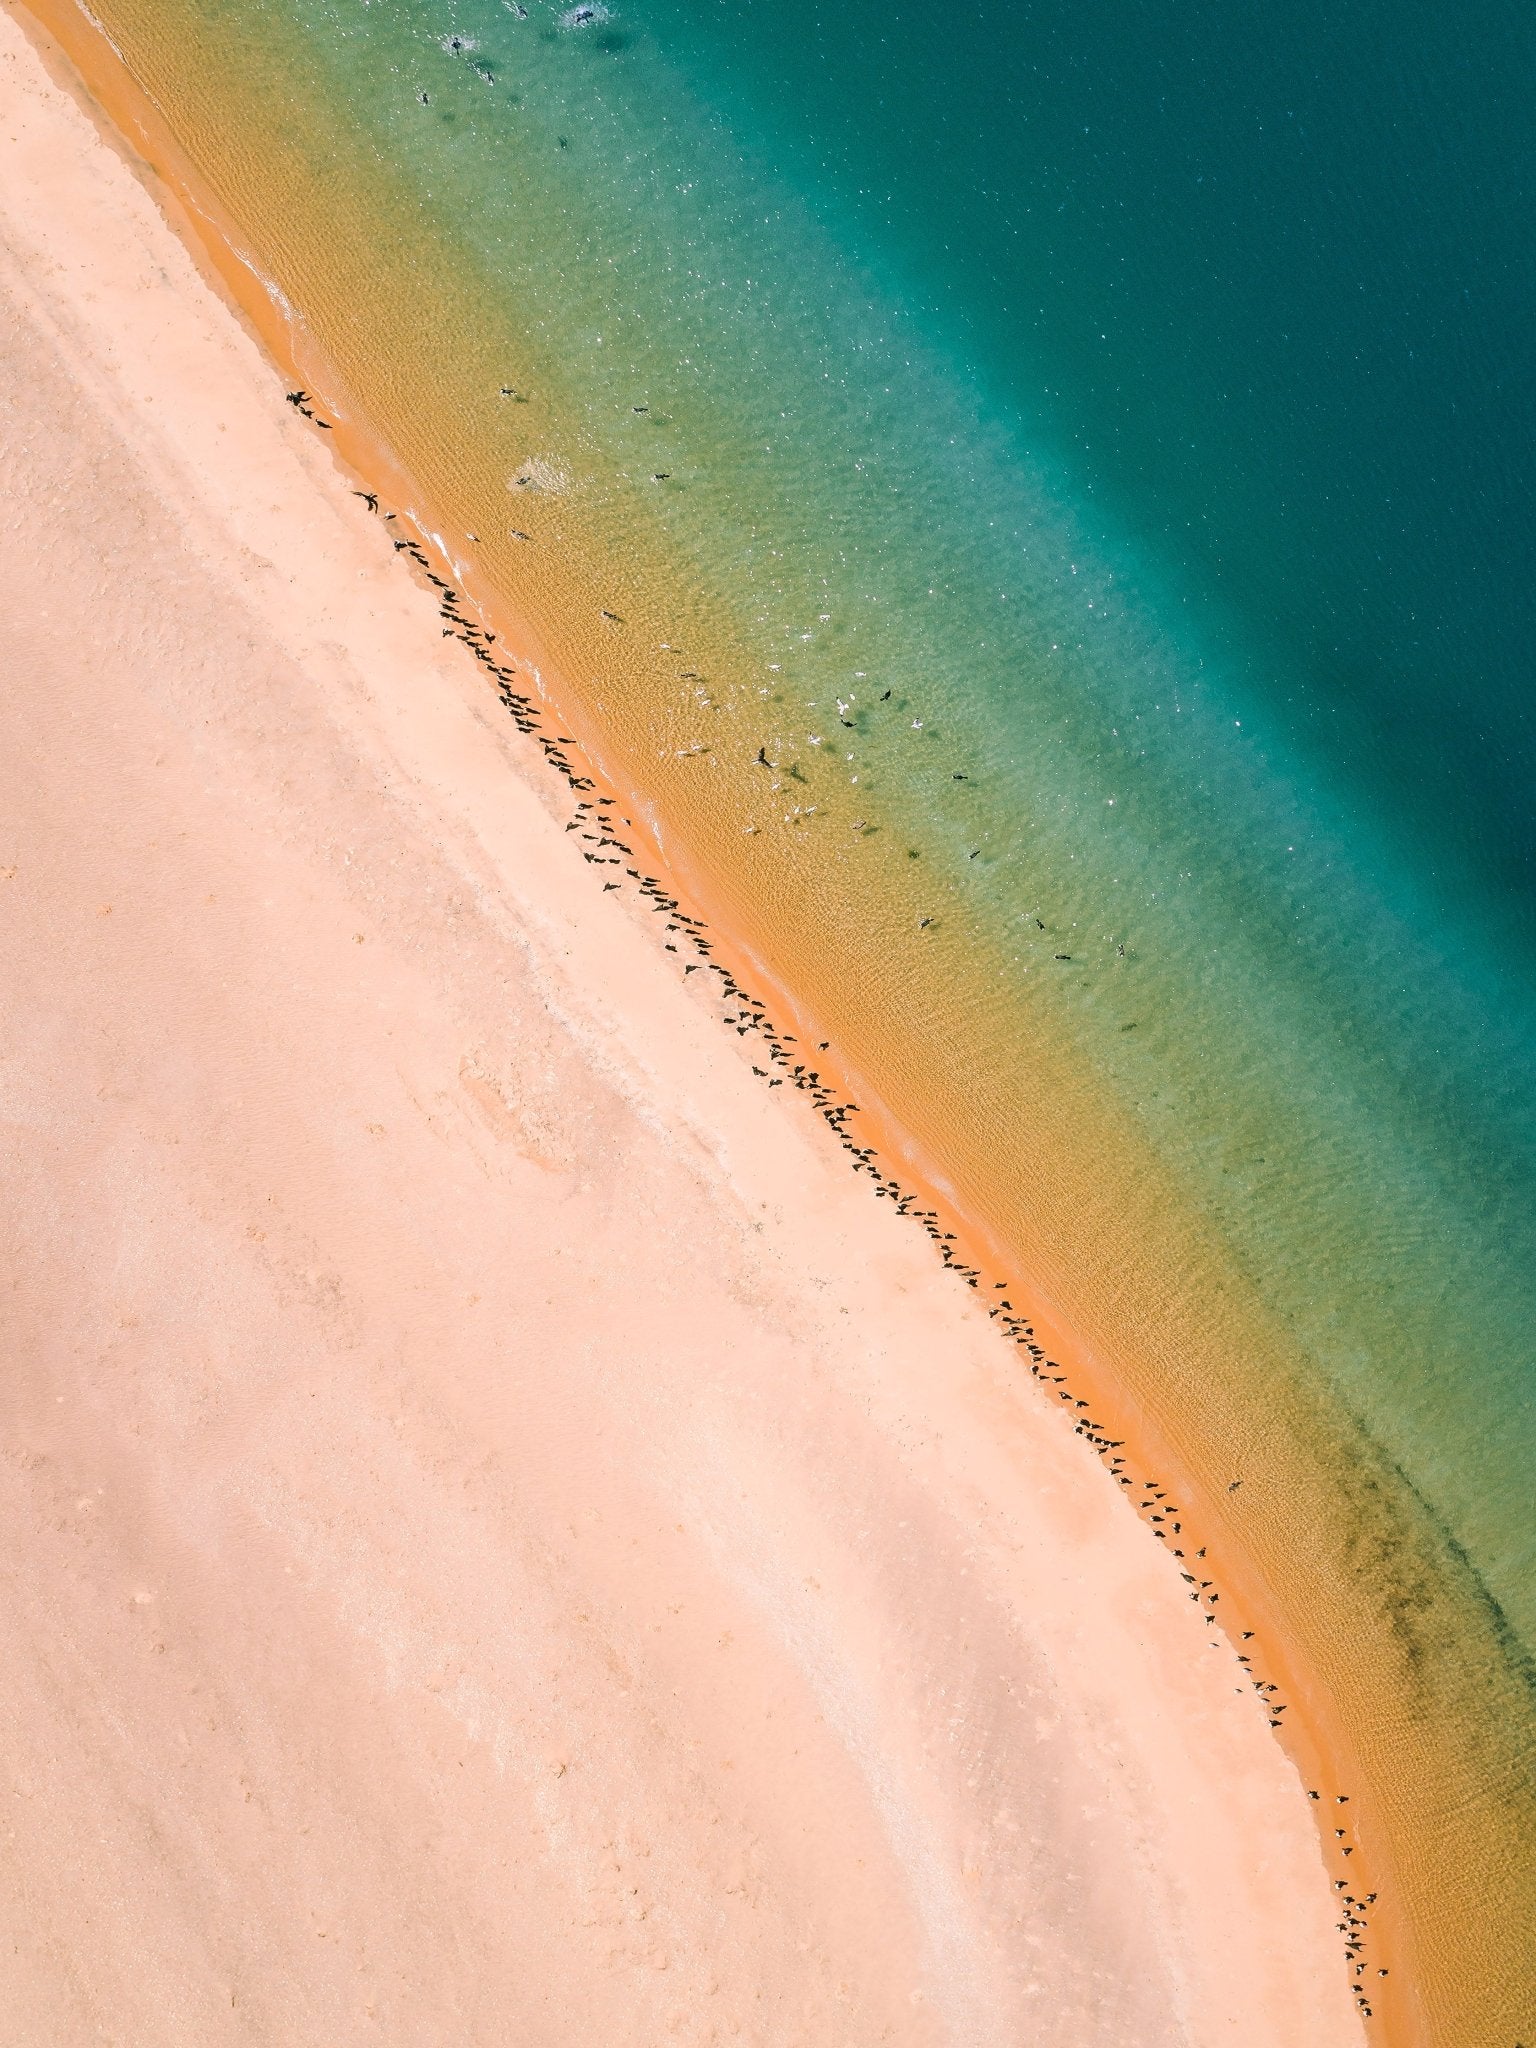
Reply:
x=1264, y=282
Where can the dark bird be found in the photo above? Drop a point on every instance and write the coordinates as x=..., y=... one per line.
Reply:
x=368, y=499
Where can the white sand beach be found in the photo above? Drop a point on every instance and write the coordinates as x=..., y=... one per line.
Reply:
x=505, y=1540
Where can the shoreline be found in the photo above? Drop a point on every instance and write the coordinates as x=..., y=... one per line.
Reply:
x=373, y=471
x=1312, y=1739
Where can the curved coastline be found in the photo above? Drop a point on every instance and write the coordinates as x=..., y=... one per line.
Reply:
x=1440, y=1885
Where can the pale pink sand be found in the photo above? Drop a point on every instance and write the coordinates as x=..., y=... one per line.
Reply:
x=504, y=1540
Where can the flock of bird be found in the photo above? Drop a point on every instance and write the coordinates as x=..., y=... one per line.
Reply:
x=596, y=819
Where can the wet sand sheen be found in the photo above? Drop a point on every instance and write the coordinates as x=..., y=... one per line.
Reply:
x=1445, y=1873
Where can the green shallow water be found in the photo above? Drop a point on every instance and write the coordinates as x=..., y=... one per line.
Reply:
x=1200, y=661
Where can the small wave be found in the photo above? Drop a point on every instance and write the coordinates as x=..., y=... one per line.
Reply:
x=540, y=473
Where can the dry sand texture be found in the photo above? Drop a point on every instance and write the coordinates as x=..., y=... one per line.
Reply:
x=505, y=1541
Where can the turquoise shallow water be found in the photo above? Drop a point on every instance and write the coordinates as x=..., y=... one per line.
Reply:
x=1142, y=400
x=1095, y=449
